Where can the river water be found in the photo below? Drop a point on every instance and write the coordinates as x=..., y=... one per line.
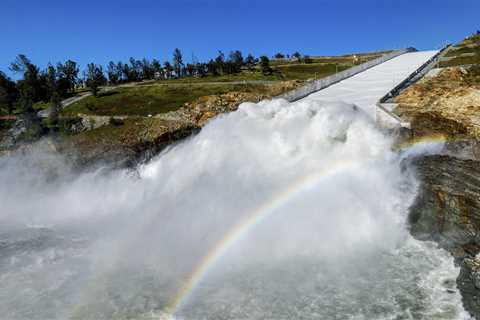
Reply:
x=275, y=211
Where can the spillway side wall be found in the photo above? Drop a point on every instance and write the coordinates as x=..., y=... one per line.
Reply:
x=316, y=85
x=384, y=117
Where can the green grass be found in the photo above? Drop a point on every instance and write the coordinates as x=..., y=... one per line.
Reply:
x=470, y=45
x=111, y=132
x=242, y=76
x=3, y=110
x=309, y=71
x=463, y=50
x=345, y=59
x=460, y=61
x=152, y=99
x=164, y=96
x=41, y=105
x=472, y=39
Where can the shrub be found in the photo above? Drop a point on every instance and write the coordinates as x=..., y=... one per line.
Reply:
x=116, y=122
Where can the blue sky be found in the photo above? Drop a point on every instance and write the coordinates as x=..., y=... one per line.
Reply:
x=104, y=30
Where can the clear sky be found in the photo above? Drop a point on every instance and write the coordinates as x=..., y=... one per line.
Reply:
x=103, y=30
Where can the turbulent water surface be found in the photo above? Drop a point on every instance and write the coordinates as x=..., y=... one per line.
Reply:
x=320, y=198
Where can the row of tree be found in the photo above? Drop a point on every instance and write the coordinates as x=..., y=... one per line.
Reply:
x=138, y=70
x=296, y=55
x=57, y=82
x=62, y=79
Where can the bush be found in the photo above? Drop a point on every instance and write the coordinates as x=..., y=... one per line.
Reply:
x=116, y=122
x=91, y=107
x=69, y=124
x=265, y=65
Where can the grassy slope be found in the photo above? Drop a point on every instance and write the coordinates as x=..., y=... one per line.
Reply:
x=309, y=71
x=152, y=99
x=470, y=46
x=345, y=59
x=245, y=75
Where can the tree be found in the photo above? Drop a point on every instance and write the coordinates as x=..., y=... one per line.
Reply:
x=220, y=62
x=31, y=120
x=250, y=62
x=190, y=69
x=265, y=65
x=279, y=56
x=94, y=77
x=122, y=76
x=147, y=69
x=127, y=74
x=51, y=79
x=212, y=67
x=168, y=69
x=236, y=59
x=69, y=70
x=297, y=56
x=201, y=69
x=33, y=83
x=8, y=93
x=177, y=61
x=114, y=74
x=307, y=59
x=157, y=69
x=55, y=108
x=135, y=70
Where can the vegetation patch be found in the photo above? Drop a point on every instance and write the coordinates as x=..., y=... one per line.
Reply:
x=153, y=99
x=245, y=75
x=461, y=61
x=310, y=71
x=466, y=52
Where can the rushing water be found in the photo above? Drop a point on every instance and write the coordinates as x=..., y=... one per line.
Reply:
x=276, y=211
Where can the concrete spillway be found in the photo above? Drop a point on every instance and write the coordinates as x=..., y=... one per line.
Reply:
x=366, y=88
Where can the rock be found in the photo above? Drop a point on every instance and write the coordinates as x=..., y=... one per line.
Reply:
x=473, y=265
x=447, y=103
x=136, y=140
x=11, y=137
x=447, y=210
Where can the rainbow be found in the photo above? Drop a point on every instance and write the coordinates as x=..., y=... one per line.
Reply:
x=423, y=140
x=241, y=230
x=257, y=216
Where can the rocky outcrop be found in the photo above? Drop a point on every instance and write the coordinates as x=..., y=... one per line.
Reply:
x=10, y=136
x=447, y=102
x=447, y=210
x=126, y=143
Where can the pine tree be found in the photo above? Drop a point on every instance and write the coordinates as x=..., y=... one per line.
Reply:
x=177, y=61
x=95, y=78
x=55, y=108
x=265, y=65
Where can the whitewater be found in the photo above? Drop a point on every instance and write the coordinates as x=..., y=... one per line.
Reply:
x=276, y=211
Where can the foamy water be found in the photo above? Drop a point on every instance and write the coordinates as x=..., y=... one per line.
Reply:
x=276, y=211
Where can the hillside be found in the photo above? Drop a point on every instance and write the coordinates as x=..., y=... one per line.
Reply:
x=445, y=106
x=447, y=101
x=124, y=120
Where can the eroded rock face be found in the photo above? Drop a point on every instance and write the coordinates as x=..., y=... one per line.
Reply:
x=125, y=145
x=447, y=210
x=447, y=102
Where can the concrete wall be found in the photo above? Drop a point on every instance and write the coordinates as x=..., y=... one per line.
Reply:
x=384, y=116
x=386, y=119
x=323, y=83
x=415, y=76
